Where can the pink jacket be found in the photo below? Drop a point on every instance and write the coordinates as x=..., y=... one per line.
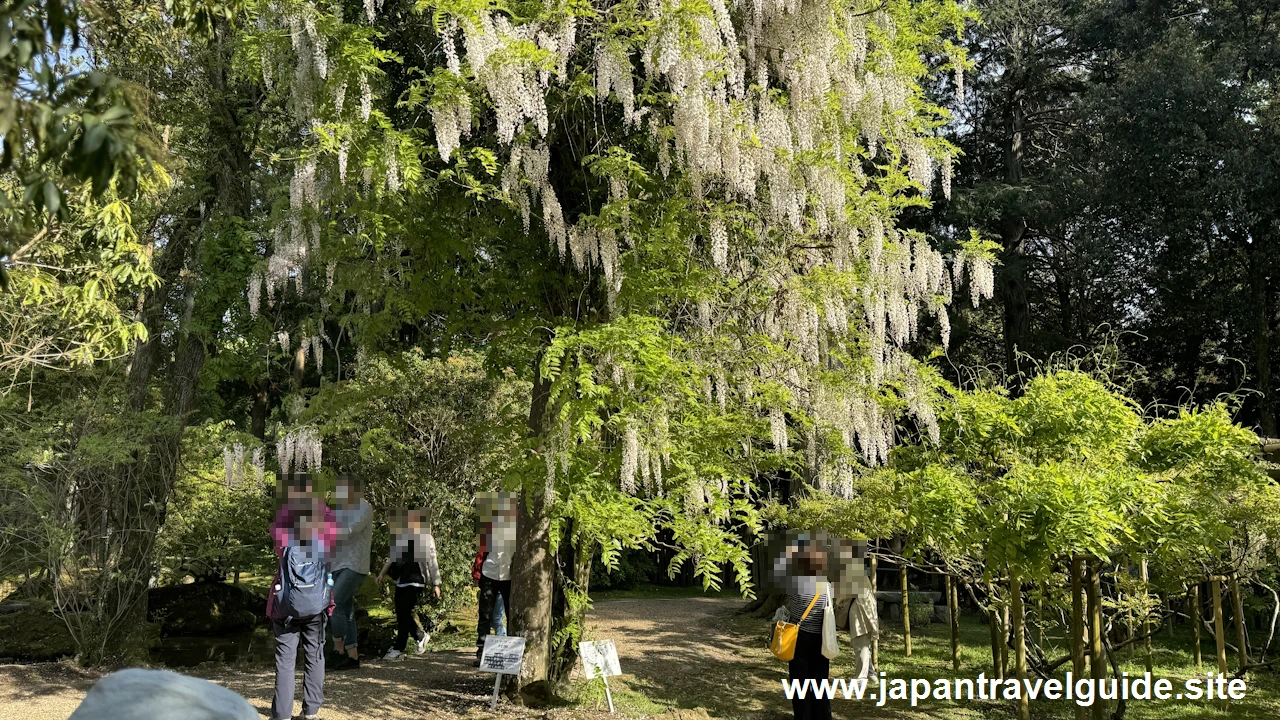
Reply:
x=282, y=533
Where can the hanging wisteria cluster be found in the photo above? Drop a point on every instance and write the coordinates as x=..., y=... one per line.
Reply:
x=308, y=40
x=300, y=451
x=780, y=107
x=237, y=465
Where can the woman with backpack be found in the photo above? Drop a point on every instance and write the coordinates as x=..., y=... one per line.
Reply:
x=412, y=565
x=301, y=599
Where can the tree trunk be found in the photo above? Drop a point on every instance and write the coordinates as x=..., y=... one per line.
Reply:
x=875, y=637
x=1005, y=639
x=1219, y=628
x=1146, y=618
x=1219, y=631
x=1077, y=626
x=1019, y=639
x=531, y=565
x=261, y=408
x=953, y=607
x=1194, y=600
x=1260, y=306
x=906, y=611
x=997, y=632
x=1237, y=607
x=569, y=619
x=1096, y=666
x=1013, y=263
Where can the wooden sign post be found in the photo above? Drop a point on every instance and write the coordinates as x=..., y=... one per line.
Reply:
x=502, y=656
x=600, y=657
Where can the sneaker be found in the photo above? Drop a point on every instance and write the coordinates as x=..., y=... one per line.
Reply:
x=393, y=655
x=422, y=644
x=337, y=662
x=479, y=653
x=349, y=664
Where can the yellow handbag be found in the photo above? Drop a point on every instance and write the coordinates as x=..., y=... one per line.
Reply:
x=783, y=645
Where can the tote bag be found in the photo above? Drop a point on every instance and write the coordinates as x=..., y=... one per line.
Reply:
x=783, y=645
x=830, y=648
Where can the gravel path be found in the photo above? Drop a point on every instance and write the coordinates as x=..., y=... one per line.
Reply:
x=674, y=651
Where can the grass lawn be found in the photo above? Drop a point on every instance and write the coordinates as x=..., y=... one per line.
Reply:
x=746, y=684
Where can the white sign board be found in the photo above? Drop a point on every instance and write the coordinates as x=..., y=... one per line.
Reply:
x=502, y=654
x=599, y=658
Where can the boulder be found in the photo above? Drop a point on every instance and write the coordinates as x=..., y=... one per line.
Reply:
x=205, y=609
x=34, y=636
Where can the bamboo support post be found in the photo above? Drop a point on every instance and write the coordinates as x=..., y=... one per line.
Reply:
x=1077, y=626
x=1146, y=617
x=1194, y=600
x=1019, y=639
x=1096, y=663
x=875, y=637
x=1237, y=607
x=953, y=608
x=906, y=611
x=997, y=634
x=1219, y=633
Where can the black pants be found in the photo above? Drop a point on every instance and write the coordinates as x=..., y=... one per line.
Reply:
x=406, y=622
x=309, y=633
x=490, y=589
x=810, y=663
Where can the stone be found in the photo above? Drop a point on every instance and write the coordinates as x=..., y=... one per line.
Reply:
x=202, y=609
x=35, y=636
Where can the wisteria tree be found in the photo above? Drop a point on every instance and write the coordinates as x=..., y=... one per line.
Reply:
x=679, y=218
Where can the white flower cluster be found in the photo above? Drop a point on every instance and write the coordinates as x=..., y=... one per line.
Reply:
x=757, y=103
x=982, y=278
x=236, y=465
x=299, y=450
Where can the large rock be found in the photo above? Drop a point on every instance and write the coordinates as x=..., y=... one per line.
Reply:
x=205, y=609
x=34, y=636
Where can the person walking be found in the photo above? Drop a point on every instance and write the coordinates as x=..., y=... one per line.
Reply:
x=498, y=540
x=301, y=601
x=350, y=567
x=412, y=565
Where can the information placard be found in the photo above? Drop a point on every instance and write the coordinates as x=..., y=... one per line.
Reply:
x=502, y=654
x=599, y=658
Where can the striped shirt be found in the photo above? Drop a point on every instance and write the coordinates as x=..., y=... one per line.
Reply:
x=796, y=605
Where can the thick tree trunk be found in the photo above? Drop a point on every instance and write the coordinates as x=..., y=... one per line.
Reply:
x=531, y=566
x=147, y=486
x=1261, y=308
x=1013, y=262
x=261, y=408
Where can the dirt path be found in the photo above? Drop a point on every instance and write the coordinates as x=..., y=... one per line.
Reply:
x=676, y=653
